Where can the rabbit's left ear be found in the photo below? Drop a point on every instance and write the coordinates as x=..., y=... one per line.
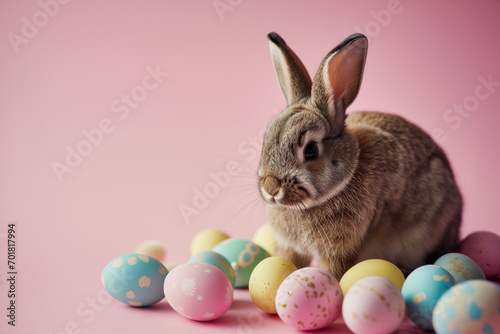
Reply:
x=293, y=78
x=338, y=79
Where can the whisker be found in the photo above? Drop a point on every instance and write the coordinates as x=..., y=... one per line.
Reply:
x=247, y=203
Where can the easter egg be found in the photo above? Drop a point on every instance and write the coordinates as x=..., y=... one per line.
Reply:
x=373, y=305
x=469, y=307
x=206, y=240
x=309, y=298
x=484, y=248
x=135, y=279
x=266, y=279
x=170, y=265
x=460, y=266
x=372, y=267
x=421, y=291
x=151, y=248
x=264, y=238
x=243, y=255
x=217, y=260
x=198, y=291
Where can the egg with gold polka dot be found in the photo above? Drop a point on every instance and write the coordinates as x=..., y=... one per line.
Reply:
x=135, y=279
x=309, y=298
x=373, y=305
x=421, y=291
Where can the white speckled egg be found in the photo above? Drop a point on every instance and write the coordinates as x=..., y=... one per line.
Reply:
x=135, y=279
x=460, y=266
x=484, y=248
x=243, y=255
x=198, y=291
x=373, y=305
x=421, y=291
x=309, y=298
x=471, y=307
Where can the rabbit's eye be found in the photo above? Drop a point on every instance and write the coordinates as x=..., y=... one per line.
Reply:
x=311, y=151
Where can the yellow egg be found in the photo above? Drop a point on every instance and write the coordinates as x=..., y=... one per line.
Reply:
x=265, y=280
x=151, y=248
x=206, y=240
x=264, y=238
x=373, y=267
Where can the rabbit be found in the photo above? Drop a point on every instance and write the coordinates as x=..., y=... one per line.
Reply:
x=345, y=188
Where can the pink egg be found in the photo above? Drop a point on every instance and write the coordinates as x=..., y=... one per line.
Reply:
x=309, y=298
x=373, y=305
x=484, y=248
x=198, y=291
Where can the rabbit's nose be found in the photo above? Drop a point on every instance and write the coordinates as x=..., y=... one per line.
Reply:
x=271, y=185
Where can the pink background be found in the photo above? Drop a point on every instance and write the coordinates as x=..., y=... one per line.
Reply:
x=70, y=73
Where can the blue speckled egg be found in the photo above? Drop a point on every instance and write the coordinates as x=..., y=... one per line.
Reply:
x=135, y=279
x=243, y=255
x=422, y=290
x=217, y=260
x=460, y=266
x=470, y=307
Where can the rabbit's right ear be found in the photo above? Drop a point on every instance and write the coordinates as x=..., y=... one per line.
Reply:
x=293, y=78
x=338, y=79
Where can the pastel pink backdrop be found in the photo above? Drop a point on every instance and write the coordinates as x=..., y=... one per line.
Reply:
x=69, y=74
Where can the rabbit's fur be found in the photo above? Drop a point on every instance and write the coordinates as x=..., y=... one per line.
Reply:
x=348, y=188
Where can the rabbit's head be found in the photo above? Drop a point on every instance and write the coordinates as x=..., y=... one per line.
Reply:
x=308, y=154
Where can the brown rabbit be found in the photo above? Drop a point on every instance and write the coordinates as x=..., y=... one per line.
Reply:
x=349, y=188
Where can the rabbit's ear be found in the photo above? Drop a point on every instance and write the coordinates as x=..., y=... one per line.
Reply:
x=338, y=79
x=293, y=78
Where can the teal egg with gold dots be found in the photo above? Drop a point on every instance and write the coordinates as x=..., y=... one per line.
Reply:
x=243, y=255
x=460, y=266
x=422, y=290
x=470, y=307
x=135, y=279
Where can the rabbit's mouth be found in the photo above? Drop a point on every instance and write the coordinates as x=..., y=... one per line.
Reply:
x=297, y=197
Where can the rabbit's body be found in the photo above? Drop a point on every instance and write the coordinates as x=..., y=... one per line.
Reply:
x=406, y=213
x=344, y=189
